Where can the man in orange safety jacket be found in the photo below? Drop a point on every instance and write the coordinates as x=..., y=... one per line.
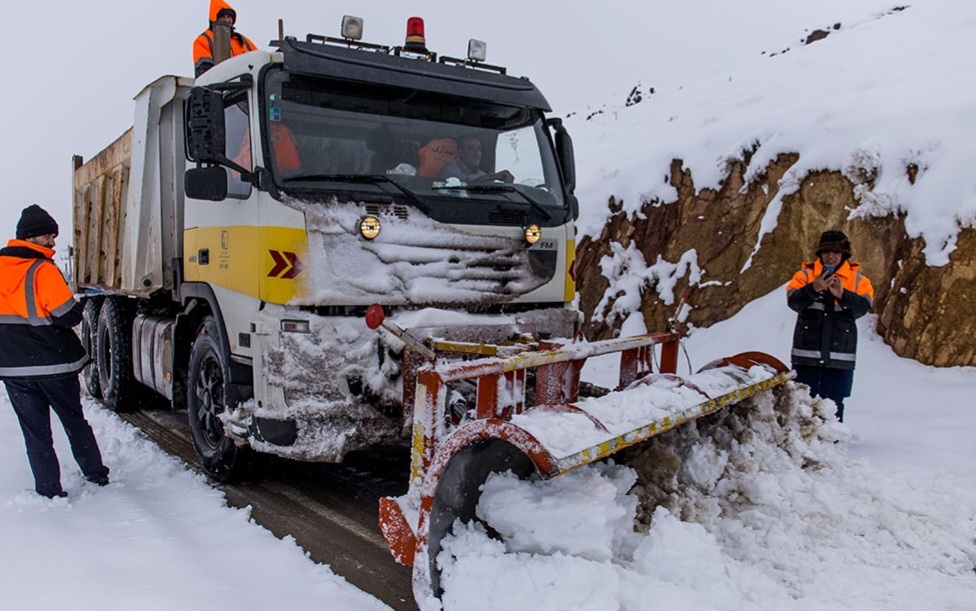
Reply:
x=435, y=155
x=828, y=294
x=203, y=51
x=40, y=354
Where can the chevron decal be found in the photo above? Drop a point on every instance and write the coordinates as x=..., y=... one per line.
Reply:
x=287, y=265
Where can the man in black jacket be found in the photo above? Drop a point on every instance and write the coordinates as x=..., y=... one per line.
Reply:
x=40, y=355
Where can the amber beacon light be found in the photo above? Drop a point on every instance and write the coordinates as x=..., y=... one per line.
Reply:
x=532, y=234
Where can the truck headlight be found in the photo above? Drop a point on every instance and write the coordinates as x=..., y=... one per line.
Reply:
x=369, y=227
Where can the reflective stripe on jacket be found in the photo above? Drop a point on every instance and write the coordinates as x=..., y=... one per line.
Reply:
x=825, y=332
x=203, y=50
x=37, y=313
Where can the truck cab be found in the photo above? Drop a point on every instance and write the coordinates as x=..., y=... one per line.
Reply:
x=318, y=179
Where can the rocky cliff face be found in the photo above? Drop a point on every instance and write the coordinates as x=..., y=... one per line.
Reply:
x=707, y=245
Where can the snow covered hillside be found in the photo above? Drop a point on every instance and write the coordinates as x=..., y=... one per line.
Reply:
x=884, y=91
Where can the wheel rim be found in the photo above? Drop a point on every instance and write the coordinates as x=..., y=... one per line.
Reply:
x=209, y=392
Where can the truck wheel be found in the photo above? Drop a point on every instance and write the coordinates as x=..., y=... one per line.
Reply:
x=89, y=337
x=113, y=356
x=220, y=457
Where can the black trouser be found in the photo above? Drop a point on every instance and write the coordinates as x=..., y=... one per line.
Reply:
x=827, y=382
x=32, y=400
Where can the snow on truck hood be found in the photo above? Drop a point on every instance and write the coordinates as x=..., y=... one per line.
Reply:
x=414, y=260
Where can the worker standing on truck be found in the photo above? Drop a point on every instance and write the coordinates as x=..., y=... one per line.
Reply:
x=828, y=294
x=221, y=16
x=40, y=354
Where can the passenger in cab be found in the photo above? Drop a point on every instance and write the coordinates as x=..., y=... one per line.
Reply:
x=436, y=154
x=287, y=159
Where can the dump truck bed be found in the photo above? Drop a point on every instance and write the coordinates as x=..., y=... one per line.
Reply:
x=128, y=199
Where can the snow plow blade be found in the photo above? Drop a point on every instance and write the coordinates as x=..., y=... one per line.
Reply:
x=529, y=418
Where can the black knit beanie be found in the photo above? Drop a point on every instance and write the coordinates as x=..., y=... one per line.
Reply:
x=35, y=221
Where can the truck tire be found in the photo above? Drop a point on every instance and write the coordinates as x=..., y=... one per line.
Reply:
x=89, y=337
x=113, y=356
x=220, y=457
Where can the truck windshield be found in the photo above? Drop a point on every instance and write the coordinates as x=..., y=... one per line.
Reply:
x=331, y=137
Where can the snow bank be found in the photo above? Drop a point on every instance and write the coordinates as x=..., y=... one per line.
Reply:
x=158, y=538
x=757, y=505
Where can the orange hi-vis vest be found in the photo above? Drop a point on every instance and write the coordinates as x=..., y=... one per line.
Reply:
x=435, y=155
x=203, y=45
x=825, y=334
x=37, y=313
x=849, y=273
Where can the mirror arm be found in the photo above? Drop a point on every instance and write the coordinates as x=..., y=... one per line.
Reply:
x=246, y=175
x=262, y=180
x=224, y=161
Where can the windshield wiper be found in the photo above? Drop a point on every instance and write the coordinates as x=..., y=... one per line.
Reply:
x=497, y=188
x=362, y=179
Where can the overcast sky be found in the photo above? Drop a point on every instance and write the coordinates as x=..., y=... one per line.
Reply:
x=73, y=68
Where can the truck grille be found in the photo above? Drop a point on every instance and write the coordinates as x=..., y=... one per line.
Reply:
x=508, y=219
x=399, y=212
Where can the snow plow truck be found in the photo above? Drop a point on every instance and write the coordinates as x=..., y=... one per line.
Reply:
x=303, y=250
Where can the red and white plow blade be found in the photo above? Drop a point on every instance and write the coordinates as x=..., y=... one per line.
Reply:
x=528, y=418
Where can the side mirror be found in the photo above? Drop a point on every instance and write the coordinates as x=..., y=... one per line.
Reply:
x=209, y=183
x=205, y=128
x=565, y=155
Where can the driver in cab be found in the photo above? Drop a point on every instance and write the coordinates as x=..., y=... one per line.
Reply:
x=468, y=165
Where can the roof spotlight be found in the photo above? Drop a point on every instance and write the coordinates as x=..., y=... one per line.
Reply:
x=477, y=50
x=352, y=27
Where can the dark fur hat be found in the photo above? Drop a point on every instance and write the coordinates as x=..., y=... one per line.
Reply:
x=834, y=240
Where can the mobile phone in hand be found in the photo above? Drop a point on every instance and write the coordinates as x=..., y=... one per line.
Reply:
x=828, y=271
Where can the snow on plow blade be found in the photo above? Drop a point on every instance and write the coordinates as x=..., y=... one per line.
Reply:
x=529, y=419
